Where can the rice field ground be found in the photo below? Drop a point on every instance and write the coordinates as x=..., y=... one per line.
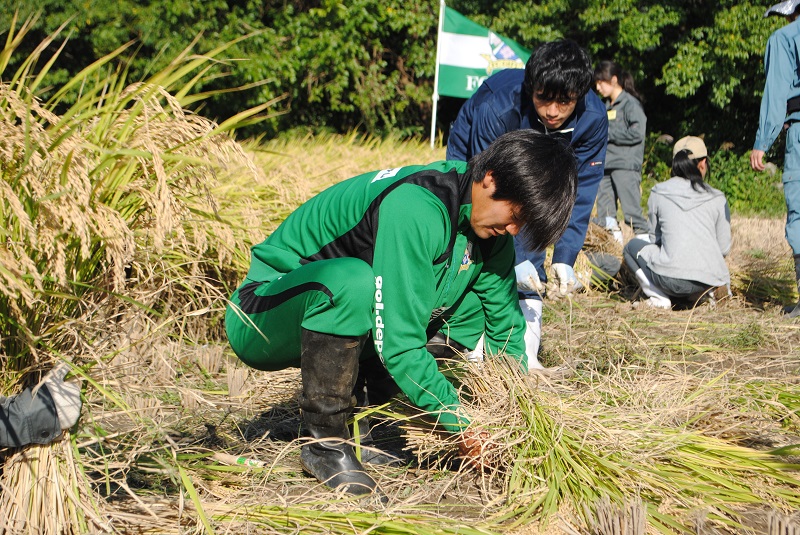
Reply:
x=658, y=422
x=684, y=421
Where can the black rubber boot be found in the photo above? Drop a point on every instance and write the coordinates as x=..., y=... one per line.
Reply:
x=370, y=452
x=443, y=348
x=329, y=366
x=374, y=386
x=793, y=311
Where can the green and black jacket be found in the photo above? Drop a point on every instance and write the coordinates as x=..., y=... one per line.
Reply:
x=411, y=224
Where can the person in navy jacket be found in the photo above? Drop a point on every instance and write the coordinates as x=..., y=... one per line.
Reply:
x=551, y=96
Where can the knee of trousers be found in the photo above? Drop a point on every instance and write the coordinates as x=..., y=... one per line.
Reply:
x=352, y=287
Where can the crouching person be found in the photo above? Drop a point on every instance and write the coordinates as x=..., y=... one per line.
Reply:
x=361, y=277
x=691, y=233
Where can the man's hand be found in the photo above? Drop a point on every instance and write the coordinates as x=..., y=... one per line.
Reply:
x=65, y=394
x=528, y=277
x=565, y=279
x=472, y=447
x=757, y=160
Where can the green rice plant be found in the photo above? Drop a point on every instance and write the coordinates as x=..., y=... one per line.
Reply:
x=555, y=448
x=769, y=398
x=276, y=519
x=108, y=210
x=120, y=187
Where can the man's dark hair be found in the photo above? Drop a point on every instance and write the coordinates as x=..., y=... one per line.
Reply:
x=536, y=172
x=686, y=167
x=558, y=70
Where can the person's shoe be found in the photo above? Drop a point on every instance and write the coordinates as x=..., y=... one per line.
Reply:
x=443, y=347
x=792, y=311
x=370, y=454
x=658, y=302
x=329, y=370
x=333, y=462
x=532, y=312
x=374, y=456
x=654, y=303
x=657, y=298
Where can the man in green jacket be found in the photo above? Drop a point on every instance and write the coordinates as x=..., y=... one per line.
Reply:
x=373, y=268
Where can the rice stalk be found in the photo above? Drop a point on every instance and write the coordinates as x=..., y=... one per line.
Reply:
x=105, y=207
x=611, y=519
x=41, y=494
x=273, y=519
x=779, y=524
x=123, y=176
x=550, y=453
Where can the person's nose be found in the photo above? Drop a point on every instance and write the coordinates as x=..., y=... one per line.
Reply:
x=512, y=228
x=552, y=109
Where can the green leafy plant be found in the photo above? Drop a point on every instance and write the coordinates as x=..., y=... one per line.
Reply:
x=748, y=192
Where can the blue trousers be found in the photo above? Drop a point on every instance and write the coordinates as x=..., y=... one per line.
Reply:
x=791, y=187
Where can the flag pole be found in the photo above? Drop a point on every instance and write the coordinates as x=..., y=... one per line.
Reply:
x=436, y=73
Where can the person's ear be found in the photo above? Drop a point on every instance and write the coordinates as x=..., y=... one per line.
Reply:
x=488, y=180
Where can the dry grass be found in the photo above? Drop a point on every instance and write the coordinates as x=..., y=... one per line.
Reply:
x=165, y=396
x=646, y=380
x=300, y=168
x=715, y=373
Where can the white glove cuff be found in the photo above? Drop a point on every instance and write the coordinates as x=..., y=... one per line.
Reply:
x=66, y=396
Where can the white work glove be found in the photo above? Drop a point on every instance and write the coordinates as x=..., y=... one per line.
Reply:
x=66, y=395
x=532, y=311
x=565, y=279
x=528, y=278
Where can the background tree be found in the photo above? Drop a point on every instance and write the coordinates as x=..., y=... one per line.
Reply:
x=369, y=64
x=699, y=65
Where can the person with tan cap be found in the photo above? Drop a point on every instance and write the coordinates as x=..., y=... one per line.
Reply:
x=690, y=232
x=780, y=109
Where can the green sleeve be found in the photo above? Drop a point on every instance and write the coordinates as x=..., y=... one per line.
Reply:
x=413, y=230
x=496, y=287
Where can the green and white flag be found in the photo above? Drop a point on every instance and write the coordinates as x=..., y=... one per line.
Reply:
x=467, y=53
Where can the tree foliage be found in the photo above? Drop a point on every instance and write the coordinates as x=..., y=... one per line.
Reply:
x=369, y=64
x=699, y=65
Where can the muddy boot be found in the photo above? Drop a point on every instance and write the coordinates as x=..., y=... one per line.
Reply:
x=793, y=311
x=442, y=347
x=370, y=452
x=374, y=387
x=329, y=366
